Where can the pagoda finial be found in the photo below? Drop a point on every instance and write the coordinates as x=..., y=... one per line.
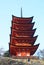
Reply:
x=21, y=12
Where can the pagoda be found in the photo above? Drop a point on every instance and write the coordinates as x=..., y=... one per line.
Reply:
x=22, y=37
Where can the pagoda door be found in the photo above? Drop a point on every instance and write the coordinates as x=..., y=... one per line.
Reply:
x=23, y=53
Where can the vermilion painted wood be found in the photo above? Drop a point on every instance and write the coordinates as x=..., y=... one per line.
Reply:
x=16, y=33
x=15, y=49
x=18, y=40
x=21, y=20
x=22, y=32
x=22, y=26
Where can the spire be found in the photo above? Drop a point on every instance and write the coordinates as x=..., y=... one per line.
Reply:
x=21, y=12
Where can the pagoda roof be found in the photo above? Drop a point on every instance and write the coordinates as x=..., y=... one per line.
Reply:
x=33, y=30
x=30, y=40
x=22, y=25
x=27, y=18
x=23, y=32
x=17, y=24
x=21, y=19
x=22, y=28
x=19, y=38
x=31, y=49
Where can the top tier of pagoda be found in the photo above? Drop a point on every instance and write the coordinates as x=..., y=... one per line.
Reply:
x=22, y=37
x=21, y=20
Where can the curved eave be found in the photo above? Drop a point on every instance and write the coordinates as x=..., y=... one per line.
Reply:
x=22, y=19
x=19, y=38
x=15, y=23
x=26, y=25
x=17, y=33
x=30, y=40
x=24, y=30
x=32, y=49
x=25, y=47
x=22, y=26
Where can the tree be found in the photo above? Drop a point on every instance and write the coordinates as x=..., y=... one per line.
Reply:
x=6, y=54
x=1, y=51
x=41, y=54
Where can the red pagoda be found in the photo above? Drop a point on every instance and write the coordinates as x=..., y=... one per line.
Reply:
x=22, y=37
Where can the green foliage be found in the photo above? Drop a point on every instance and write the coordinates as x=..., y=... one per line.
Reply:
x=6, y=54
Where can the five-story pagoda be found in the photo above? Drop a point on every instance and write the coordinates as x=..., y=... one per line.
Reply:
x=22, y=37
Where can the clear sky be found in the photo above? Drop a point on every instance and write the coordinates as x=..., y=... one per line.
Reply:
x=13, y=7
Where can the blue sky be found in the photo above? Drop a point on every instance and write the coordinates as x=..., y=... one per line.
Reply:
x=13, y=7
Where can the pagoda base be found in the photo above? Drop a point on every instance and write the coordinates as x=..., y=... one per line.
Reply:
x=24, y=57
